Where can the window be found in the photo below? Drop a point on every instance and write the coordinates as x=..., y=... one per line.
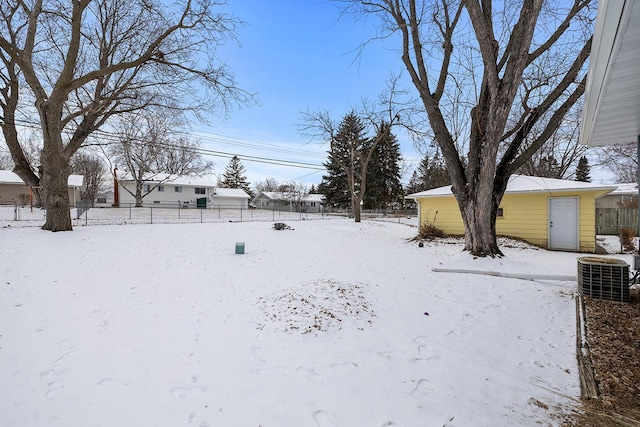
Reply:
x=500, y=213
x=313, y=204
x=161, y=188
x=200, y=190
x=178, y=189
x=101, y=200
x=147, y=188
x=156, y=201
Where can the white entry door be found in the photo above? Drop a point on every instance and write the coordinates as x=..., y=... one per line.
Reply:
x=563, y=223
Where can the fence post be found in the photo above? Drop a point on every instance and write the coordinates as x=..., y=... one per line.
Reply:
x=201, y=215
x=151, y=209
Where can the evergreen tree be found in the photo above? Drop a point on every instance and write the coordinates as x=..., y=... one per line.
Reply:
x=548, y=167
x=583, y=171
x=312, y=189
x=383, y=176
x=234, y=176
x=334, y=186
x=430, y=173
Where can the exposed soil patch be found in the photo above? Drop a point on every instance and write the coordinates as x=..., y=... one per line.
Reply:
x=316, y=307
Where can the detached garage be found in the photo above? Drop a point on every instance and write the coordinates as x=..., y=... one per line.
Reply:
x=552, y=213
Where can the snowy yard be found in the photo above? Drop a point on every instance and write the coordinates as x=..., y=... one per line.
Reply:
x=332, y=323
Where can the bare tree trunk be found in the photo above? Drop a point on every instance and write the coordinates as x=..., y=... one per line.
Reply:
x=138, y=195
x=480, y=240
x=357, y=209
x=55, y=177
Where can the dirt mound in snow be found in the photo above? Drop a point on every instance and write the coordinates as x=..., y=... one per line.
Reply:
x=317, y=306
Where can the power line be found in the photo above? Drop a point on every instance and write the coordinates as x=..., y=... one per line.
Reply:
x=113, y=138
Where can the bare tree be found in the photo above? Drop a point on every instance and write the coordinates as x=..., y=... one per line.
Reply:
x=295, y=193
x=95, y=173
x=349, y=147
x=86, y=61
x=621, y=160
x=558, y=155
x=268, y=185
x=510, y=68
x=5, y=160
x=150, y=150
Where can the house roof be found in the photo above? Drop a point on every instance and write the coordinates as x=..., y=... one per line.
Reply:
x=527, y=184
x=628, y=188
x=314, y=197
x=611, y=112
x=8, y=177
x=237, y=193
x=191, y=181
x=278, y=195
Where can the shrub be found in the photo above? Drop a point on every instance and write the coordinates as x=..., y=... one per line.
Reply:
x=626, y=239
x=428, y=231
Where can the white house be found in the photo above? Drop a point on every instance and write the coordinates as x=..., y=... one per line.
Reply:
x=276, y=200
x=182, y=191
x=14, y=189
x=230, y=198
x=621, y=196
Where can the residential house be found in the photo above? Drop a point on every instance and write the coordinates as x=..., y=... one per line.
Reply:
x=13, y=189
x=620, y=197
x=551, y=213
x=230, y=198
x=182, y=191
x=283, y=201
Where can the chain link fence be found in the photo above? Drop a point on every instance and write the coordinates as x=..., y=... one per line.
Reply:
x=83, y=214
x=17, y=212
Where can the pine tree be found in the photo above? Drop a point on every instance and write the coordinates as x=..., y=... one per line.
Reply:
x=383, y=176
x=234, y=176
x=583, y=171
x=548, y=167
x=312, y=189
x=430, y=173
x=334, y=186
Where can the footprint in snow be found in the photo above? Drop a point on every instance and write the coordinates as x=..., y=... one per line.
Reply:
x=258, y=354
x=323, y=419
x=310, y=375
x=113, y=382
x=185, y=391
x=55, y=389
x=422, y=388
x=343, y=366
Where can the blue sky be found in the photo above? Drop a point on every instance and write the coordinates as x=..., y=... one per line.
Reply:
x=296, y=55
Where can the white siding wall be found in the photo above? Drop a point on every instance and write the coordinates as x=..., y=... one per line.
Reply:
x=168, y=196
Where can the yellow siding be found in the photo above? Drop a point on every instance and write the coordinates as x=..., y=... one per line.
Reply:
x=526, y=216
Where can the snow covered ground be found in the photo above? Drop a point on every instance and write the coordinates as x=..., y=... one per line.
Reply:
x=331, y=323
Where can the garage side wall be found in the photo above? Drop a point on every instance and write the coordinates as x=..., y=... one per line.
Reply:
x=525, y=216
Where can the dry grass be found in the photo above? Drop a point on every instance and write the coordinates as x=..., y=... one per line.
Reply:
x=613, y=334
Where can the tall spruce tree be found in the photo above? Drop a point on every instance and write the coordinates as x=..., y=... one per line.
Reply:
x=383, y=178
x=334, y=186
x=234, y=176
x=583, y=170
x=430, y=173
